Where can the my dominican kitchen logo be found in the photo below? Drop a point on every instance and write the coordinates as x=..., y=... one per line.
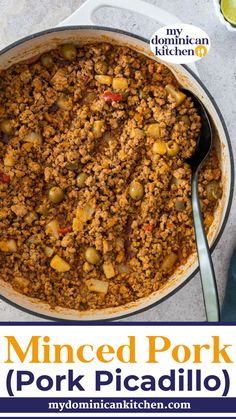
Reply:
x=180, y=43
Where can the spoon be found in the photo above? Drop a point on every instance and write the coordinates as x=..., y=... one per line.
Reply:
x=203, y=147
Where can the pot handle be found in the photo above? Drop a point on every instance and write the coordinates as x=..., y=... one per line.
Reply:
x=84, y=15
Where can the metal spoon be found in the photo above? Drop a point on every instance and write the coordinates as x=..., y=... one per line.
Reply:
x=204, y=143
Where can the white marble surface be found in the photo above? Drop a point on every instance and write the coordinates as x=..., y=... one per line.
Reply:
x=218, y=71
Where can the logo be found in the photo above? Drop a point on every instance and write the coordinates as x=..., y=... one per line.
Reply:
x=201, y=51
x=180, y=43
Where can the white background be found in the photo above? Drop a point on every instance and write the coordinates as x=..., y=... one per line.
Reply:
x=116, y=336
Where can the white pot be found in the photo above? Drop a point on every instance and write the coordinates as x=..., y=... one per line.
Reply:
x=46, y=40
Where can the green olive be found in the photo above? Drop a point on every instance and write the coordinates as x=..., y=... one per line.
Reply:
x=80, y=180
x=136, y=190
x=72, y=166
x=101, y=67
x=179, y=205
x=47, y=60
x=6, y=126
x=159, y=147
x=187, y=166
x=172, y=148
x=69, y=52
x=45, y=211
x=175, y=181
x=92, y=256
x=56, y=195
x=31, y=217
x=185, y=119
x=213, y=190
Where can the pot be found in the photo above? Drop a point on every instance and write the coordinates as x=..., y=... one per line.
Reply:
x=70, y=31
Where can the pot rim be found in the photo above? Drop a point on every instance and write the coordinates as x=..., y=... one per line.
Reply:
x=231, y=189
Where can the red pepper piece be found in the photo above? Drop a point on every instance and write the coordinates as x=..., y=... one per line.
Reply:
x=112, y=97
x=4, y=178
x=148, y=228
x=65, y=230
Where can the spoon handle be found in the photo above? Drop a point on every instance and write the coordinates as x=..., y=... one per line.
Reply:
x=208, y=279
